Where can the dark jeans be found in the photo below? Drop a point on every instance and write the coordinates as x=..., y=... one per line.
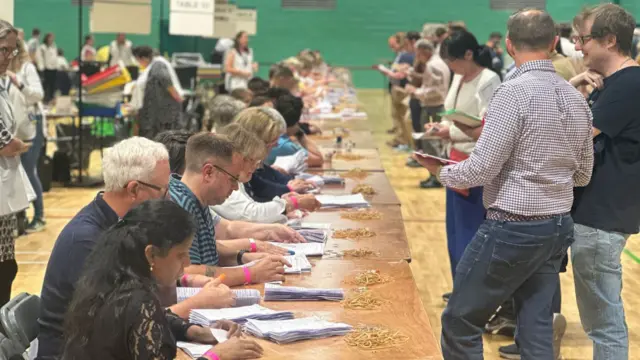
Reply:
x=416, y=114
x=30, y=160
x=50, y=80
x=505, y=259
x=8, y=271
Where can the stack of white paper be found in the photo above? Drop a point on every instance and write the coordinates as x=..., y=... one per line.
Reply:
x=288, y=331
x=314, y=235
x=195, y=350
x=207, y=317
x=299, y=264
x=244, y=297
x=304, y=225
x=284, y=293
x=308, y=249
x=293, y=164
x=343, y=201
x=321, y=180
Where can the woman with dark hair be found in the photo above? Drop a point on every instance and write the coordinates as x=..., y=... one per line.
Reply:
x=161, y=94
x=238, y=64
x=47, y=60
x=471, y=89
x=116, y=313
x=88, y=50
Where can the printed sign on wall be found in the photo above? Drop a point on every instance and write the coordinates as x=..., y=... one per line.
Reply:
x=192, y=17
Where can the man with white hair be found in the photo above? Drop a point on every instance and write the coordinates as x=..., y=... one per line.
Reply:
x=134, y=170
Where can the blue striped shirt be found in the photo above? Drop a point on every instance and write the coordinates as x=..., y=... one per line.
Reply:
x=203, y=250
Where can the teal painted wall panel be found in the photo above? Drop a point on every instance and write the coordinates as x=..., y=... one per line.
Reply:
x=353, y=34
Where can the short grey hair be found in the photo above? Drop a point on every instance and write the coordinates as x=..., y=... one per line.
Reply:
x=424, y=44
x=613, y=20
x=531, y=29
x=223, y=109
x=129, y=160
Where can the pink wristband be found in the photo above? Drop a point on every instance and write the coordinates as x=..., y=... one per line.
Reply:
x=294, y=201
x=211, y=355
x=254, y=247
x=183, y=280
x=290, y=188
x=247, y=275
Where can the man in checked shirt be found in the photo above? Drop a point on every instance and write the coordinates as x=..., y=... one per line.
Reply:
x=534, y=148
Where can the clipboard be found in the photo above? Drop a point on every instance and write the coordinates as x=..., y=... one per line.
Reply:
x=462, y=118
x=442, y=160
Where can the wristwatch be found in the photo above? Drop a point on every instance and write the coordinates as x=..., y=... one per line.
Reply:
x=239, y=257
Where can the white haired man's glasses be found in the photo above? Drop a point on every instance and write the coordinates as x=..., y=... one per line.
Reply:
x=164, y=191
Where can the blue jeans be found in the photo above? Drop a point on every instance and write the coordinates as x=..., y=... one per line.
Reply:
x=597, y=274
x=30, y=161
x=504, y=259
x=464, y=216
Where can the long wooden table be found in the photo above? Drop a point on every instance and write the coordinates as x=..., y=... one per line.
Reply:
x=403, y=311
x=360, y=139
x=369, y=162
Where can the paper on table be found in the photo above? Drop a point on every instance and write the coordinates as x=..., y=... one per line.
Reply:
x=244, y=297
x=206, y=317
x=287, y=331
x=287, y=293
x=353, y=201
x=442, y=160
x=299, y=263
x=195, y=350
x=307, y=249
x=461, y=117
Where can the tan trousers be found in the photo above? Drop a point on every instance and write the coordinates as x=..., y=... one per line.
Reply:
x=400, y=115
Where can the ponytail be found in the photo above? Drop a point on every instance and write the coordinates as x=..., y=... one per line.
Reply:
x=482, y=56
x=459, y=42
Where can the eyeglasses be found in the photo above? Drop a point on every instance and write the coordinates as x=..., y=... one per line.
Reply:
x=234, y=178
x=154, y=187
x=583, y=39
x=5, y=51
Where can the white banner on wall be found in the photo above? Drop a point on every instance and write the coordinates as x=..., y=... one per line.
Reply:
x=122, y=16
x=247, y=20
x=224, y=25
x=6, y=10
x=192, y=17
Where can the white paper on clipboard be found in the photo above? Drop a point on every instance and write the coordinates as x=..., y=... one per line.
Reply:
x=442, y=160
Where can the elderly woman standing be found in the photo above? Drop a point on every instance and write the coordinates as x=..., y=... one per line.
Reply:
x=15, y=190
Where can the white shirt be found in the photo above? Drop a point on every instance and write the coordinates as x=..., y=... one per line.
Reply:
x=122, y=53
x=33, y=44
x=88, y=50
x=569, y=49
x=27, y=101
x=240, y=206
x=47, y=57
x=472, y=99
x=63, y=64
x=242, y=61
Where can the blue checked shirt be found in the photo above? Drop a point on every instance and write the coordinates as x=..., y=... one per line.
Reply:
x=203, y=250
x=535, y=147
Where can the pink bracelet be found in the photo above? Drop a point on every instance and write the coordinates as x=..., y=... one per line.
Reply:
x=294, y=201
x=254, y=247
x=247, y=275
x=211, y=355
x=290, y=188
x=183, y=280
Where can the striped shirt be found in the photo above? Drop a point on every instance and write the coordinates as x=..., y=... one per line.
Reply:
x=203, y=249
x=536, y=145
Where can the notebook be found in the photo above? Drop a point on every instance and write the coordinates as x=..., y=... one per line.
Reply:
x=244, y=297
x=206, y=317
x=308, y=249
x=287, y=293
x=195, y=350
x=289, y=331
x=461, y=117
x=342, y=201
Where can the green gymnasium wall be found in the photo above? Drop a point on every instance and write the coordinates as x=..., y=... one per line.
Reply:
x=353, y=34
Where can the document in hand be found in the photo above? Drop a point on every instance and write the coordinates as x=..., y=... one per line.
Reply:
x=342, y=201
x=195, y=350
x=442, y=160
x=288, y=331
x=206, y=317
x=308, y=249
x=293, y=164
x=299, y=264
x=244, y=297
x=423, y=136
x=461, y=117
x=285, y=293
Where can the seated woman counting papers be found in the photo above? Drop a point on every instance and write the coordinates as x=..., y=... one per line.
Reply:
x=115, y=312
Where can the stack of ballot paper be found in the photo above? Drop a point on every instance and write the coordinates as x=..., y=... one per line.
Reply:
x=207, y=317
x=299, y=264
x=244, y=297
x=314, y=235
x=274, y=292
x=342, y=201
x=308, y=249
x=287, y=331
x=321, y=180
x=195, y=350
x=293, y=164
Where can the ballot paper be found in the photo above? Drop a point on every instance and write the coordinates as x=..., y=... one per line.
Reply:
x=321, y=180
x=207, y=317
x=342, y=201
x=461, y=117
x=307, y=249
x=195, y=350
x=442, y=160
x=289, y=293
x=287, y=331
x=299, y=264
x=244, y=297
x=293, y=164
x=314, y=235
x=298, y=224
